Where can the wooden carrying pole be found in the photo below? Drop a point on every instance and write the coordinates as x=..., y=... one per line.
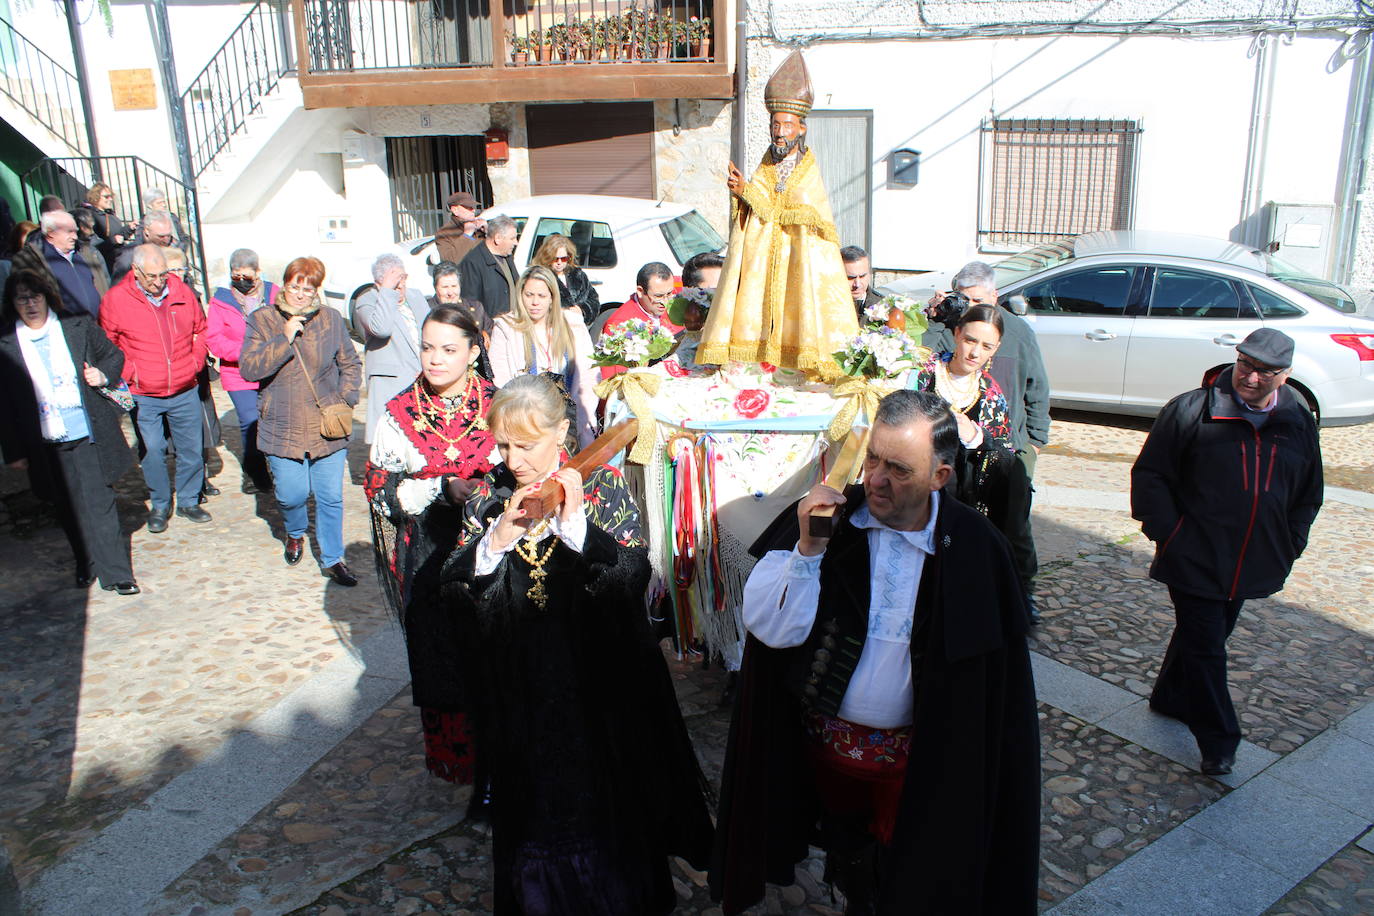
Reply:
x=603, y=448
x=842, y=473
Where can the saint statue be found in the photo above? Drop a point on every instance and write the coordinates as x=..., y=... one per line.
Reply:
x=783, y=296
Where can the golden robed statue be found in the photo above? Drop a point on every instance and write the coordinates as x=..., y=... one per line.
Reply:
x=783, y=296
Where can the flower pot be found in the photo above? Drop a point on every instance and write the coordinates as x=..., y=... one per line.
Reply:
x=519, y=57
x=545, y=53
x=702, y=49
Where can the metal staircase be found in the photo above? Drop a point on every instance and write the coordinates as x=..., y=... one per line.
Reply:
x=42, y=88
x=240, y=75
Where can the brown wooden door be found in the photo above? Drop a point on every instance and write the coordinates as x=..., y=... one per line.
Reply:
x=592, y=148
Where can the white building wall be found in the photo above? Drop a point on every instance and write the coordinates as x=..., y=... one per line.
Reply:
x=1192, y=97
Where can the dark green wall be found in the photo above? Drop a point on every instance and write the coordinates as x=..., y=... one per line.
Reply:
x=17, y=156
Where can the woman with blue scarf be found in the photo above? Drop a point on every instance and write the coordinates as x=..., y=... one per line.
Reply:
x=56, y=422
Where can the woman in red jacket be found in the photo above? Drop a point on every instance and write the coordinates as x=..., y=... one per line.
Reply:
x=226, y=323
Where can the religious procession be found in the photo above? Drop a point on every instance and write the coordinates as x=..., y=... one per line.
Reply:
x=771, y=468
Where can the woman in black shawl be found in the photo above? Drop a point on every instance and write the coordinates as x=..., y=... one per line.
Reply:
x=594, y=781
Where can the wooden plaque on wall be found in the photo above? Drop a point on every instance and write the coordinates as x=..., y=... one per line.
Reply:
x=133, y=90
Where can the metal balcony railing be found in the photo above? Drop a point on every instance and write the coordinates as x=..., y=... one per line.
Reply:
x=48, y=91
x=129, y=177
x=248, y=66
x=610, y=31
x=360, y=35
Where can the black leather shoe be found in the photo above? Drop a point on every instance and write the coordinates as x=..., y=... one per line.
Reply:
x=1032, y=610
x=1218, y=766
x=209, y=489
x=84, y=579
x=340, y=574
x=123, y=588
x=194, y=514
x=294, y=548
x=157, y=520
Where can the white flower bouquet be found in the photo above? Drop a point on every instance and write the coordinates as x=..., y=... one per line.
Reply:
x=879, y=353
x=633, y=343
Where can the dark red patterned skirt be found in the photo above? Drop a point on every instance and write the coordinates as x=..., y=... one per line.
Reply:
x=859, y=769
x=448, y=745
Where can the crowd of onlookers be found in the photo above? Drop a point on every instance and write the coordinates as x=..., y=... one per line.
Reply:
x=100, y=315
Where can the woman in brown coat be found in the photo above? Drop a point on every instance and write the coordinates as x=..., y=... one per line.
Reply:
x=302, y=358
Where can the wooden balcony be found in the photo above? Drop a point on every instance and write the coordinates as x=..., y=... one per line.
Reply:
x=356, y=53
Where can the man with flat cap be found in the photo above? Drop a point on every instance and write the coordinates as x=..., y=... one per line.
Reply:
x=459, y=235
x=1227, y=486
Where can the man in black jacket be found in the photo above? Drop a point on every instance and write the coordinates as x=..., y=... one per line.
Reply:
x=487, y=272
x=858, y=271
x=1227, y=486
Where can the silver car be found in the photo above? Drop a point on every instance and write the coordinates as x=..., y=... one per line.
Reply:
x=1128, y=320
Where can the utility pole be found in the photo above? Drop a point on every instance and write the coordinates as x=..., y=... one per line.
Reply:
x=83, y=83
x=180, y=137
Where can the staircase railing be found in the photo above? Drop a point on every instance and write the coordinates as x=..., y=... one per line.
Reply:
x=129, y=177
x=248, y=66
x=41, y=86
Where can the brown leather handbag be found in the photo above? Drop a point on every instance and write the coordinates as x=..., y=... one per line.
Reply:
x=336, y=420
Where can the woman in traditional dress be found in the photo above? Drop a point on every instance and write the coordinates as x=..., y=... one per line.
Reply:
x=539, y=335
x=429, y=449
x=984, y=470
x=594, y=779
x=575, y=290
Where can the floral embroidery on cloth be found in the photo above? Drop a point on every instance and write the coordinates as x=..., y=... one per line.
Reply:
x=863, y=744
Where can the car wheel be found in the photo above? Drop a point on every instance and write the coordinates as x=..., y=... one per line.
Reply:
x=1308, y=399
x=353, y=331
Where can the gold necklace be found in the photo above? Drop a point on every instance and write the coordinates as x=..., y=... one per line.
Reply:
x=530, y=553
x=960, y=396
x=430, y=412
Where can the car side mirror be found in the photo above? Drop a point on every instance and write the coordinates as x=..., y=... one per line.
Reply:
x=1017, y=305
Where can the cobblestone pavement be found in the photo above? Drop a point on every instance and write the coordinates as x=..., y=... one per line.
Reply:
x=1345, y=885
x=106, y=699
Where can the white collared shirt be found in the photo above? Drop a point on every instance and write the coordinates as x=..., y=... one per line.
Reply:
x=781, y=597
x=573, y=533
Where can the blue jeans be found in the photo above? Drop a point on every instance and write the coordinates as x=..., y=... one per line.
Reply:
x=185, y=421
x=246, y=407
x=296, y=479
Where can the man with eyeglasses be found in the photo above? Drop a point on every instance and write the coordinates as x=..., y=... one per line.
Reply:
x=155, y=228
x=459, y=236
x=156, y=320
x=653, y=288
x=53, y=251
x=1227, y=485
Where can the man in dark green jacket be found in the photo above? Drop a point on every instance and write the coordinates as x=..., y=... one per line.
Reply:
x=1227, y=486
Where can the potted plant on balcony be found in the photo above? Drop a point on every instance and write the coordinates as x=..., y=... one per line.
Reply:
x=699, y=35
x=633, y=29
x=541, y=44
x=560, y=37
x=582, y=39
x=519, y=48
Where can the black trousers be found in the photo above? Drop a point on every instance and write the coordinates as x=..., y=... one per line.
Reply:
x=1191, y=685
x=86, y=510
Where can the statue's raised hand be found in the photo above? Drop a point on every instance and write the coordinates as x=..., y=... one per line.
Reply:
x=734, y=179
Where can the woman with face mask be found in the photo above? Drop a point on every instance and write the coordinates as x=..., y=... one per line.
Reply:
x=226, y=322
x=593, y=779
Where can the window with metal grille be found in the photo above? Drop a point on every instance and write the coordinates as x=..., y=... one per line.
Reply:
x=1044, y=178
x=424, y=171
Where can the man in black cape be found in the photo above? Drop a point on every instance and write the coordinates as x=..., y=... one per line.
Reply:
x=953, y=825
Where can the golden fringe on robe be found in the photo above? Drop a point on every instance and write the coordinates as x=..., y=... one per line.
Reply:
x=783, y=296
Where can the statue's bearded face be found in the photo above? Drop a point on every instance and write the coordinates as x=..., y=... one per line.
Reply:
x=786, y=131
